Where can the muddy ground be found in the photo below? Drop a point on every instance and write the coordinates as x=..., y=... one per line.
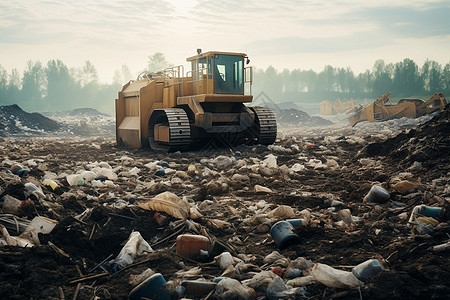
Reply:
x=413, y=270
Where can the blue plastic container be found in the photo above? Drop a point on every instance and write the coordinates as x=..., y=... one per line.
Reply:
x=22, y=172
x=160, y=172
x=149, y=288
x=429, y=211
x=283, y=235
x=163, y=164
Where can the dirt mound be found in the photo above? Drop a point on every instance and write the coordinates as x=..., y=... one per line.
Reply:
x=429, y=141
x=296, y=117
x=13, y=120
x=78, y=122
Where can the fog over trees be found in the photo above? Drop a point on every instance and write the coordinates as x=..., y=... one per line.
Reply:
x=403, y=79
x=54, y=86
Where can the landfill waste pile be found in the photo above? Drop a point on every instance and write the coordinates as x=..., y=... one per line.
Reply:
x=79, y=122
x=84, y=122
x=13, y=121
x=295, y=117
x=335, y=213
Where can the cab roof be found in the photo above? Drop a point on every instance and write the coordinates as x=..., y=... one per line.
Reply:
x=205, y=54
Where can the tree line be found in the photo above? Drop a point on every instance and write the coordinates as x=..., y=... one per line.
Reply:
x=56, y=87
x=402, y=79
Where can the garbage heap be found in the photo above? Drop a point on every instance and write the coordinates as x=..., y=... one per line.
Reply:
x=306, y=218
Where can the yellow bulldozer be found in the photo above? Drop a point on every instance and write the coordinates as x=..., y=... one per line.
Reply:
x=170, y=110
x=380, y=110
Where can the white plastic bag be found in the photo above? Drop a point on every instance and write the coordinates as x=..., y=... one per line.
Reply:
x=229, y=288
x=135, y=246
x=332, y=277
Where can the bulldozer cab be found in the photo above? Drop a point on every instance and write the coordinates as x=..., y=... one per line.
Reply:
x=220, y=73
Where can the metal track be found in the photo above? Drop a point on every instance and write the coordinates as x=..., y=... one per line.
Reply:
x=179, y=129
x=265, y=125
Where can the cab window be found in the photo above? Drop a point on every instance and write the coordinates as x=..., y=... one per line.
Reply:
x=229, y=74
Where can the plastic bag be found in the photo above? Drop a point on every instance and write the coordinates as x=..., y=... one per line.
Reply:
x=229, y=288
x=261, y=280
x=332, y=277
x=135, y=246
x=282, y=212
x=301, y=281
x=169, y=203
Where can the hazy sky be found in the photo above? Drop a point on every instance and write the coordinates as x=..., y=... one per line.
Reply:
x=305, y=34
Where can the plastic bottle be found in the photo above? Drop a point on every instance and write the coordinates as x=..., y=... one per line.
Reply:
x=367, y=269
x=31, y=189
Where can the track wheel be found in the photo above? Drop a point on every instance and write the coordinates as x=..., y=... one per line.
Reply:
x=265, y=127
x=169, y=130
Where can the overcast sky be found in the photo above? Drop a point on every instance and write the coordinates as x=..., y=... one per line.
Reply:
x=304, y=34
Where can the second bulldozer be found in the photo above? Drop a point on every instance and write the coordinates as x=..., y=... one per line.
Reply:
x=172, y=111
x=380, y=110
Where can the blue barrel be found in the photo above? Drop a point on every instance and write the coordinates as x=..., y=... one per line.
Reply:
x=149, y=288
x=283, y=235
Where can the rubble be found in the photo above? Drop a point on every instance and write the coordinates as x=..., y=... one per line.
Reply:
x=115, y=229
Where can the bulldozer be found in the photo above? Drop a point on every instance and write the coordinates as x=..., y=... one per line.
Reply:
x=380, y=110
x=171, y=110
